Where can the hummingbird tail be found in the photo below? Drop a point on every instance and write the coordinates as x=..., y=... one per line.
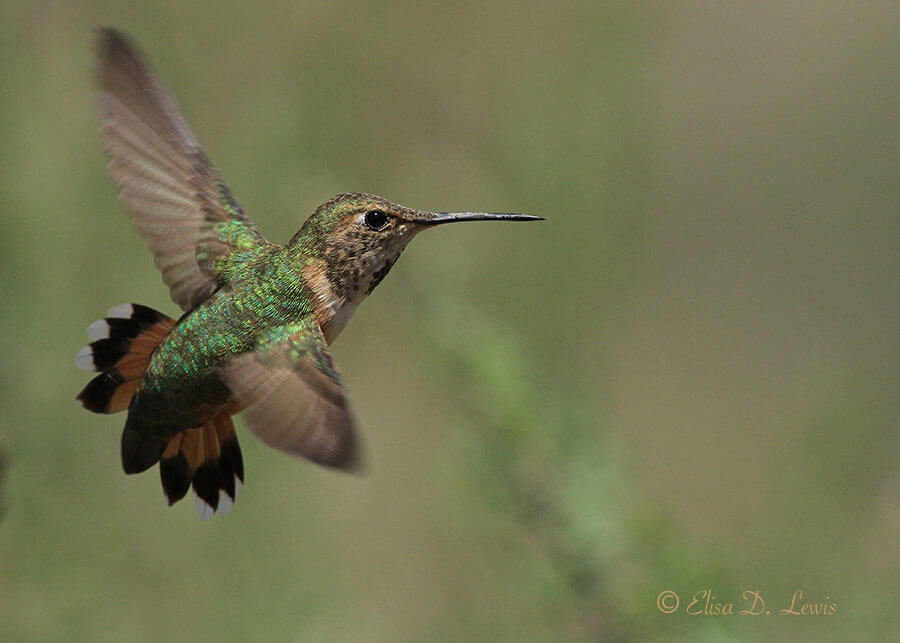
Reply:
x=207, y=458
x=122, y=345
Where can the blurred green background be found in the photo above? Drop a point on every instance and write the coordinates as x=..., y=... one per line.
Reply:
x=685, y=379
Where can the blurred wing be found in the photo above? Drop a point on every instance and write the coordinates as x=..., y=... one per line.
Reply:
x=293, y=396
x=180, y=204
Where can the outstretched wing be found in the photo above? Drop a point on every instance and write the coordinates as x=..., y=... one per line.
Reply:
x=293, y=396
x=180, y=204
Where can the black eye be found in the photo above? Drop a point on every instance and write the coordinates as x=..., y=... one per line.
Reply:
x=376, y=219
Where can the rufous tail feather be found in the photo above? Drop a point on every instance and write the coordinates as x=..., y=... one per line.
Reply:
x=122, y=345
x=207, y=458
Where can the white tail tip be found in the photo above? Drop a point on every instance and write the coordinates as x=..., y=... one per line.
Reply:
x=85, y=359
x=204, y=511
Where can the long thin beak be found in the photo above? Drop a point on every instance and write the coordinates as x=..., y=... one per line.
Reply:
x=435, y=218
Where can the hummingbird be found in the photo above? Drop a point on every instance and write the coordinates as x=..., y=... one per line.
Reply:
x=258, y=317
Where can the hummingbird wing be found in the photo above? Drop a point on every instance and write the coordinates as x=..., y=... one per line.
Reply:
x=181, y=206
x=293, y=395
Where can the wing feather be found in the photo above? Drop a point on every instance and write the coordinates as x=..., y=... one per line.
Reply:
x=175, y=195
x=293, y=396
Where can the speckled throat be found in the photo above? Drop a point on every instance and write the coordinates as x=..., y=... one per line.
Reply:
x=347, y=274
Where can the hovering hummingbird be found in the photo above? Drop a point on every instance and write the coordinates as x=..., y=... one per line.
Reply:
x=258, y=317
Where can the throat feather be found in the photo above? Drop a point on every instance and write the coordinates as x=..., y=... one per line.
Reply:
x=332, y=307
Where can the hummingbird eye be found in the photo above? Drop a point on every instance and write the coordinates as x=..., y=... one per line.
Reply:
x=376, y=219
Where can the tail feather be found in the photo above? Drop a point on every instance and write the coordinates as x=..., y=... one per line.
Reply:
x=109, y=392
x=174, y=470
x=122, y=345
x=207, y=458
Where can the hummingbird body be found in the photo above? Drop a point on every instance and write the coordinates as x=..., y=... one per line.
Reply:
x=320, y=275
x=258, y=316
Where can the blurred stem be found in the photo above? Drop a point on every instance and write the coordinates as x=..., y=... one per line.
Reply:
x=537, y=439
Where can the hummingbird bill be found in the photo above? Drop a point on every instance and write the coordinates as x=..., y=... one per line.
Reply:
x=257, y=317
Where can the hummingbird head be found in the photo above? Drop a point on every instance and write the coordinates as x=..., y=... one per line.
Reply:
x=360, y=236
x=354, y=240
